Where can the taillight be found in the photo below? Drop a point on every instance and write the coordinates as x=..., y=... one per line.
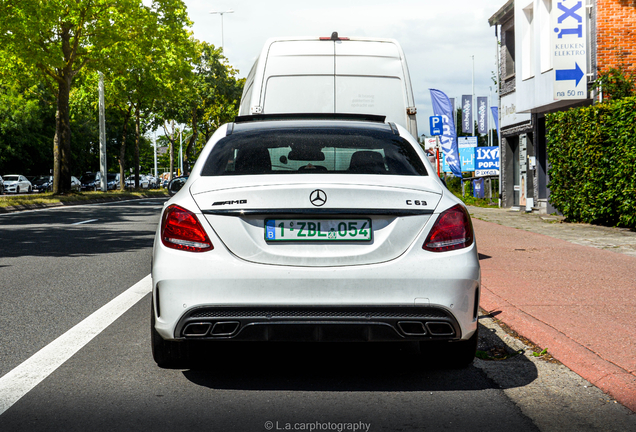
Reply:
x=452, y=230
x=180, y=229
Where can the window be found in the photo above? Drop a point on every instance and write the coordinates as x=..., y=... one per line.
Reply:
x=509, y=46
x=313, y=151
x=527, y=42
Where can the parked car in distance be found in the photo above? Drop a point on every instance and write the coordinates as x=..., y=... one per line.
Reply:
x=90, y=181
x=143, y=181
x=42, y=183
x=76, y=185
x=152, y=181
x=113, y=181
x=314, y=228
x=16, y=183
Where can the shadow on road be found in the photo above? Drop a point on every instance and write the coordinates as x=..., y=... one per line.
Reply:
x=51, y=234
x=335, y=367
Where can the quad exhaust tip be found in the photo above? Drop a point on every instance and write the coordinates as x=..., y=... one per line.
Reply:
x=412, y=328
x=225, y=328
x=419, y=328
x=202, y=329
x=197, y=329
x=440, y=329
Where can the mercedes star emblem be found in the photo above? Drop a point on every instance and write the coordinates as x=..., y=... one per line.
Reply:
x=318, y=197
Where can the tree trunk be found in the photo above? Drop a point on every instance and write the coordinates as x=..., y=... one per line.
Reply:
x=188, y=151
x=122, y=154
x=62, y=139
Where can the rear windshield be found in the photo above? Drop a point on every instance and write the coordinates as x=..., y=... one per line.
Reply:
x=314, y=151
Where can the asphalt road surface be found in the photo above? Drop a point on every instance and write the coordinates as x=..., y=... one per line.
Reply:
x=75, y=355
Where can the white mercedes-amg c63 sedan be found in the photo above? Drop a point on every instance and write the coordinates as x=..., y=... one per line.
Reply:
x=314, y=228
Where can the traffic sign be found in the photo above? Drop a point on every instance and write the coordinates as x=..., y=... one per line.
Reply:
x=436, y=124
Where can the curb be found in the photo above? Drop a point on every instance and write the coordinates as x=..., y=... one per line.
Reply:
x=610, y=378
x=40, y=206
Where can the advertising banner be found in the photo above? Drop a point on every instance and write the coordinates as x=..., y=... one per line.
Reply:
x=569, y=49
x=482, y=115
x=467, y=160
x=486, y=161
x=442, y=107
x=467, y=114
x=495, y=116
x=465, y=141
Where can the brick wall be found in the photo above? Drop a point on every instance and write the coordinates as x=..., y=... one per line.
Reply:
x=616, y=34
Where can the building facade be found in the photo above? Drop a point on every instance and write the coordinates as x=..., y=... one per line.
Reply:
x=550, y=52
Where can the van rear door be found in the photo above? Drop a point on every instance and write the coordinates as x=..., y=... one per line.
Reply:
x=370, y=79
x=299, y=77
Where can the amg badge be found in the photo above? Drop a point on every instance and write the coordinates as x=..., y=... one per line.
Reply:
x=217, y=203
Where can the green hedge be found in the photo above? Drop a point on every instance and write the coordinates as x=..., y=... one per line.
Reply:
x=592, y=154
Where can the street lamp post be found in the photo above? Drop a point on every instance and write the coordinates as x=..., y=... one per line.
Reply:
x=221, y=13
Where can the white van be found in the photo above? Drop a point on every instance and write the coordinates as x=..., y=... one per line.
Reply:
x=331, y=75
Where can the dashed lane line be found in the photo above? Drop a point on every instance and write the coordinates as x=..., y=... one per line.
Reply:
x=85, y=222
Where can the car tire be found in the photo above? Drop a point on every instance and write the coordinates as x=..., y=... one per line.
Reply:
x=168, y=354
x=452, y=355
x=29, y=190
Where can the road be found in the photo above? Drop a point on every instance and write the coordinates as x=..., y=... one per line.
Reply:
x=61, y=266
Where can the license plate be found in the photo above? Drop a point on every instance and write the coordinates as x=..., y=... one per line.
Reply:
x=295, y=230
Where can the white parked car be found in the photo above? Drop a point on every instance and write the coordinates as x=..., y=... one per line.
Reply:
x=314, y=230
x=76, y=185
x=143, y=181
x=15, y=183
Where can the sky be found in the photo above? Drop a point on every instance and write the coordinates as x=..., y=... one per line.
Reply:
x=439, y=38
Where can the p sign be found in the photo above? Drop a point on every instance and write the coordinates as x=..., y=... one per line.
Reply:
x=436, y=124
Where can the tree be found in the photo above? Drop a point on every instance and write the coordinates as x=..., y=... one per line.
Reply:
x=158, y=56
x=27, y=121
x=616, y=83
x=207, y=98
x=55, y=40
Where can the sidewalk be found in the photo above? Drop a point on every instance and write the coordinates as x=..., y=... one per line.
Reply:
x=570, y=288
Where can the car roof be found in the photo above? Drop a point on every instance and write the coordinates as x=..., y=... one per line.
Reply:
x=269, y=122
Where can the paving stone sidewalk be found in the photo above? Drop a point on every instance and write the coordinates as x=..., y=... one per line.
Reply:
x=622, y=240
x=567, y=287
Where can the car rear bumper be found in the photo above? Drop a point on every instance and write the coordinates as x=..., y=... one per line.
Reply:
x=412, y=297
x=318, y=324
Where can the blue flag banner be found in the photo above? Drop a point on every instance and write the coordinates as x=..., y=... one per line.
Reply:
x=442, y=107
x=467, y=114
x=482, y=115
x=495, y=116
x=466, y=160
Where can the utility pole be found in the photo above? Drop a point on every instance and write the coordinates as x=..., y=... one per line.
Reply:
x=221, y=13
x=472, y=101
x=102, y=136
x=155, y=146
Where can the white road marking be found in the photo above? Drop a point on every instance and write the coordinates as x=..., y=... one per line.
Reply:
x=85, y=222
x=29, y=374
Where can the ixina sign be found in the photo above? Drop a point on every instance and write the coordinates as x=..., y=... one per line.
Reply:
x=569, y=49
